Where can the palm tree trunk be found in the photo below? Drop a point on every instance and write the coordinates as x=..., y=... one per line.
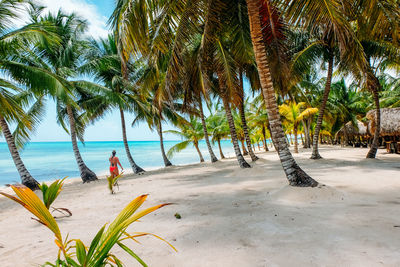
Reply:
x=295, y=175
x=302, y=139
x=196, y=145
x=243, y=118
x=87, y=174
x=264, y=139
x=296, y=145
x=245, y=153
x=26, y=177
x=203, y=122
x=220, y=149
x=228, y=112
x=315, y=154
x=136, y=169
x=166, y=160
x=375, y=86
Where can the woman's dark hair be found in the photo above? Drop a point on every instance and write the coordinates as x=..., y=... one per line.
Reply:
x=113, y=153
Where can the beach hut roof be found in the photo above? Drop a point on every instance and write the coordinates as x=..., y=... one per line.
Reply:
x=361, y=129
x=390, y=121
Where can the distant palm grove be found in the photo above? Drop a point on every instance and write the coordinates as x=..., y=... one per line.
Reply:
x=315, y=69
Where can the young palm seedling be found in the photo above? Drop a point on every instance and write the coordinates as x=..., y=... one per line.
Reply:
x=50, y=193
x=113, y=182
x=73, y=252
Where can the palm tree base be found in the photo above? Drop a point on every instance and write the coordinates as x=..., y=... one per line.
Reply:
x=137, y=170
x=254, y=158
x=372, y=153
x=88, y=176
x=242, y=163
x=168, y=164
x=302, y=179
x=214, y=159
x=32, y=184
x=316, y=156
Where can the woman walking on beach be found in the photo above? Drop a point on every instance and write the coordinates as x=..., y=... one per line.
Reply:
x=113, y=165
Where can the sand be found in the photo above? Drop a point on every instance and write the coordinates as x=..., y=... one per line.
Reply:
x=236, y=217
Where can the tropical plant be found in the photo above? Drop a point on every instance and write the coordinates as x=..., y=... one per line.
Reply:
x=191, y=131
x=14, y=97
x=50, y=193
x=219, y=129
x=113, y=182
x=73, y=252
x=295, y=113
x=104, y=63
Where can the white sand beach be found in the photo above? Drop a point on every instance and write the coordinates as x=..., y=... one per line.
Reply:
x=233, y=216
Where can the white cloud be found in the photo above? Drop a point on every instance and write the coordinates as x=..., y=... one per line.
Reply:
x=97, y=22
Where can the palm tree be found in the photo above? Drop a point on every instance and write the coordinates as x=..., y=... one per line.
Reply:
x=192, y=132
x=295, y=114
x=219, y=129
x=13, y=98
x=104, y=63
x=51, y=69
x=265, y=26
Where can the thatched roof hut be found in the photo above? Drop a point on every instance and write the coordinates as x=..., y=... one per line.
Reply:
x=390, y=121
x=360, y=130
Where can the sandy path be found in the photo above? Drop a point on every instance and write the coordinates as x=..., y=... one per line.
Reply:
x=235, y=217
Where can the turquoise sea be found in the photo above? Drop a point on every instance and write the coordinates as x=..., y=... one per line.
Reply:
x=52, y=160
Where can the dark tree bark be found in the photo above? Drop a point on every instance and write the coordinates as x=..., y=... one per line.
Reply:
x=228, y=112
x=295, y=175
x=26, y=177
x=243, y=119
x=220, y=149
x=315, y=152
x=374, y=87
x=196, y=145
x=87, y=174
x=203, y=122
x=165, y=158
x=136, y=169
x=264, y=139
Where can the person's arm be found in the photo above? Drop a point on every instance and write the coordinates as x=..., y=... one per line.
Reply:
x=120, y=165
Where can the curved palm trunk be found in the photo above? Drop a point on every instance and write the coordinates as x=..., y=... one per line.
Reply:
x=26, y=177
x=295, y=175
x=203, y=122
x=243, y=118
x=245, y=153
x=296, y=145
x=220, y=149
x=315, y=154
x=166, y=160
x=136, y=169
x=264, y=139
x=87, y=174
x=228, y=112
x=196, y=145
x=375, y=142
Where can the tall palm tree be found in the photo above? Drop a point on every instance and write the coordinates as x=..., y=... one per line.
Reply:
x=52, y=67
x=13, y=97
x=104, y=63
x=265, y=26
x=192, y=132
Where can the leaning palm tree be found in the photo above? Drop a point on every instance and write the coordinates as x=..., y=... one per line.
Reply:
x=51, y=68
x=219, y=129
x=104, y=63
x=265, y=29
x=14, y=98
x=295, y=113
x=191, y=132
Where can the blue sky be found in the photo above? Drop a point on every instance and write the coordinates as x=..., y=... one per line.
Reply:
x=97, y=13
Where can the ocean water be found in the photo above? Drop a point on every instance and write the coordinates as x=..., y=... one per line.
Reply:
x=47, y=161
